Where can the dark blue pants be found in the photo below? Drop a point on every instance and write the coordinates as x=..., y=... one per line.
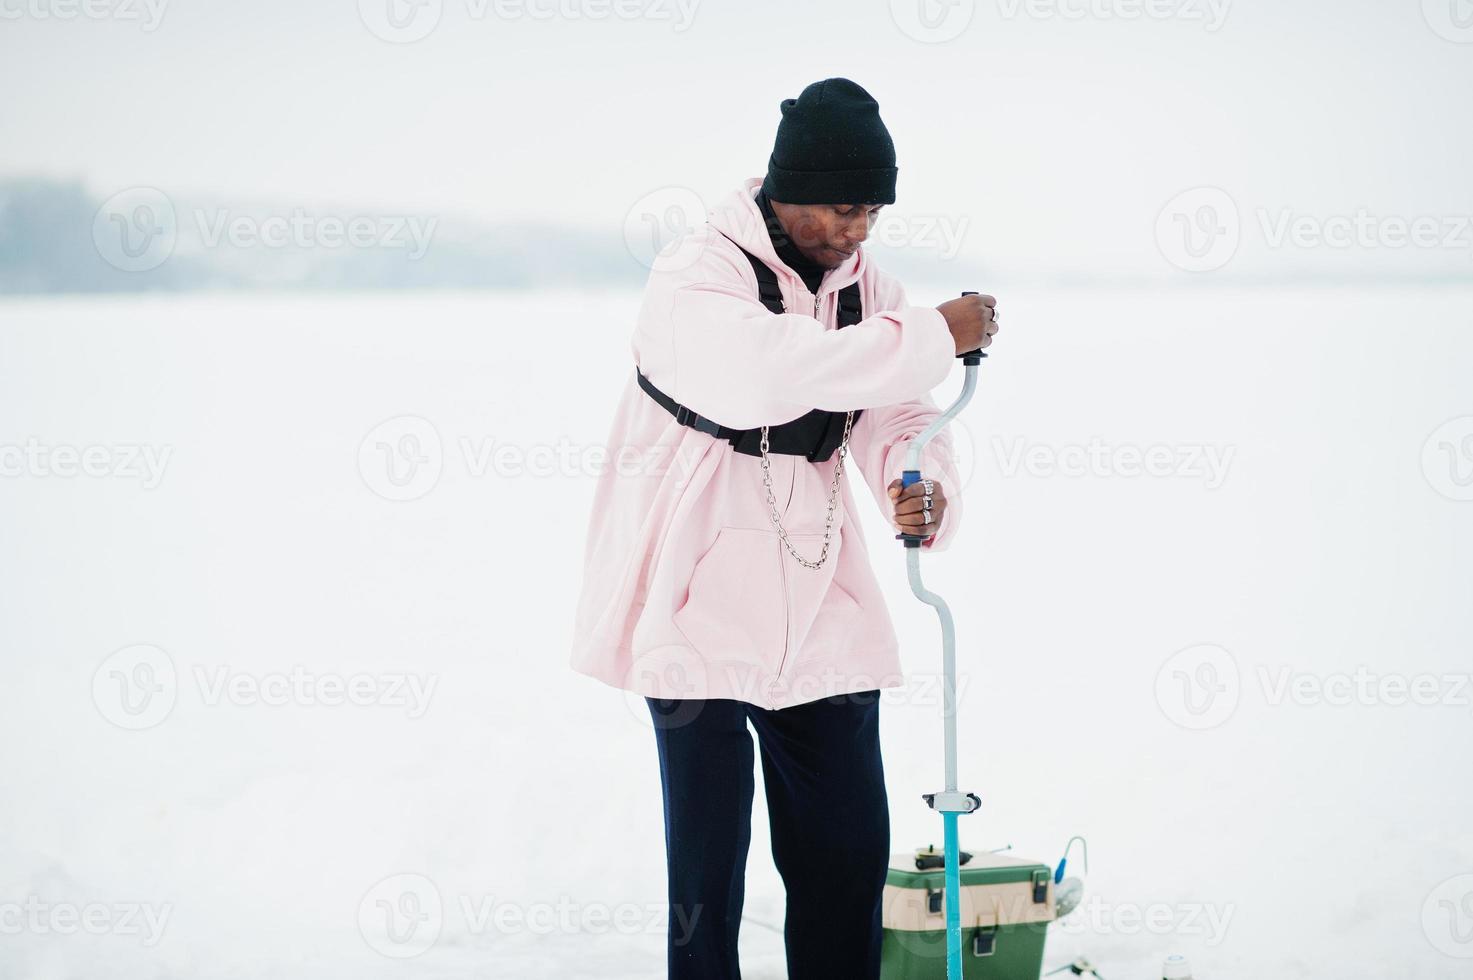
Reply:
x=830, y=824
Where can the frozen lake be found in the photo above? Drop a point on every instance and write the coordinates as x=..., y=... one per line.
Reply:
x=1212, y=595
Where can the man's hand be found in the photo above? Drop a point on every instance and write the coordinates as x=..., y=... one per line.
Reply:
x=911, y=505
x=972, y=321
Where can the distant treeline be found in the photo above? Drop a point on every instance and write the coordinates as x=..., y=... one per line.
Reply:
x=56, y=237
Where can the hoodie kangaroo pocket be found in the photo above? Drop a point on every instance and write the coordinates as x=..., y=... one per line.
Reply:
x=735, y=607
x=823, y=612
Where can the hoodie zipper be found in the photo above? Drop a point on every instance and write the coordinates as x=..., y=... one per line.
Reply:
x=782, y=559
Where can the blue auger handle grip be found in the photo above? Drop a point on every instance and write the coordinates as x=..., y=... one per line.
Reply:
x=909, y=478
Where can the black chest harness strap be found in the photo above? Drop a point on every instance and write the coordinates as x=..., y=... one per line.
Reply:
x=815, y=435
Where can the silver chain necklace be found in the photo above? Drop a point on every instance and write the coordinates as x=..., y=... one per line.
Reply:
x=828, y=524
x=828, y=527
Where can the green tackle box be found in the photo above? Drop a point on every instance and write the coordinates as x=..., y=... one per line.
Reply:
x=1006, y=906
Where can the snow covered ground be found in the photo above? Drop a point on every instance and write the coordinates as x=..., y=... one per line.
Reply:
x=1243, y=675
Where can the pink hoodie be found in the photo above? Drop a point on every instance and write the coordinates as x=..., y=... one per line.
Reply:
x=687, y=590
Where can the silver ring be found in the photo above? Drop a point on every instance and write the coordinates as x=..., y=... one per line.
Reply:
x=926, y=517
x=926, y=502
x=928, y=487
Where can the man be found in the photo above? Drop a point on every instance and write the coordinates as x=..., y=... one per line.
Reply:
x=724, y=577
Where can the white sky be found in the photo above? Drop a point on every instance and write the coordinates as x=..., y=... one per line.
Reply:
x=1056, y=135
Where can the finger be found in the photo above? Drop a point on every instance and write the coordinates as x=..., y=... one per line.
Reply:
x=991, y=329
x=895, y=488
x=917, y=490
x=915, y=506
x=987, y=300
x=918, y=520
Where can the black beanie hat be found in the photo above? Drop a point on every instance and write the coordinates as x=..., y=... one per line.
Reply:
x=832, y=148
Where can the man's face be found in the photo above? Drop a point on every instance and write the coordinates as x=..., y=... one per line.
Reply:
x=827, y=234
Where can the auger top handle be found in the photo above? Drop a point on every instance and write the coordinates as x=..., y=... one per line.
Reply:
x=912, y=472
x=972, y=357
